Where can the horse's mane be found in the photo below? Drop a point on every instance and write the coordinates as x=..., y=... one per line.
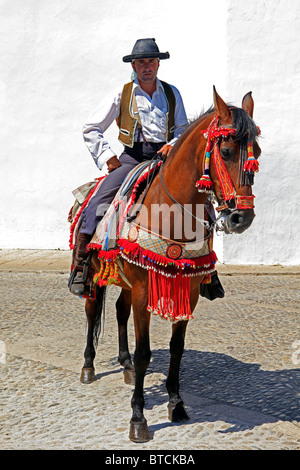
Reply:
x=246, y=131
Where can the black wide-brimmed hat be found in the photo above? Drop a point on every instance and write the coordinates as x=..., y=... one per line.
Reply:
x=145, y=48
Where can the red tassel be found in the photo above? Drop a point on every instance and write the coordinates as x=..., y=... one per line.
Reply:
x=204, y=183
x=251, y=165
x=169, y=297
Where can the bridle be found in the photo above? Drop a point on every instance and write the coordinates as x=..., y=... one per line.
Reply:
x=231, y=200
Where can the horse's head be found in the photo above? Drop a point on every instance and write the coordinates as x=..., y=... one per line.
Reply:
x=230, y=163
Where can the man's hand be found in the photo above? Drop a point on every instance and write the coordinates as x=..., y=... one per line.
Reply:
x=165, y=150
x=113, y=163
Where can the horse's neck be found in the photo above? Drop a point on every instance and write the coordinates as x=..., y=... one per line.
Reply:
x=179, y=174
x=185, y=166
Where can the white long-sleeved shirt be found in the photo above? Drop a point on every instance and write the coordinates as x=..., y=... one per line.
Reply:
x=152, y=114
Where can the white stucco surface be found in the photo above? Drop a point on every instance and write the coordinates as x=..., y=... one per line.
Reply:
x=59, y=58
x=263, y=56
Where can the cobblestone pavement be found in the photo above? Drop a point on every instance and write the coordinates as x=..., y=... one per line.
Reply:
x=240, y=370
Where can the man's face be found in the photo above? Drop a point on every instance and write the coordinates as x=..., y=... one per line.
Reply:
x=146, y=69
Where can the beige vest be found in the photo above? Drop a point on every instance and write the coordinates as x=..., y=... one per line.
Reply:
x=129, y=118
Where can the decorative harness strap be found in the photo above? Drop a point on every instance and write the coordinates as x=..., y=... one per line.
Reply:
x=213, y=135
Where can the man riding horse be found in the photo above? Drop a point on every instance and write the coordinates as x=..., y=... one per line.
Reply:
x=151, y=117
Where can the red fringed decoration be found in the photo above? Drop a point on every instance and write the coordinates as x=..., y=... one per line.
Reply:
x=204, y=184
x=169, y=279
x=251, y=165
x=169, y=297
x=133, y=253
x=215, y=132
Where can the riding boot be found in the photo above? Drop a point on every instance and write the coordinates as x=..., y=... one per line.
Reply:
x=81, y=261
x=214, y=289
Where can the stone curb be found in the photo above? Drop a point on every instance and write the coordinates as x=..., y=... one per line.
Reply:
x=60, y=260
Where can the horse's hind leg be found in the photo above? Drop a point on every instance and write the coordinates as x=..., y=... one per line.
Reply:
x=176, y=409
x=139, y=431
x=123, y=307
x=93, y=310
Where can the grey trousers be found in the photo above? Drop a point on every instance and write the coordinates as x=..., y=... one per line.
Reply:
x=98, y=204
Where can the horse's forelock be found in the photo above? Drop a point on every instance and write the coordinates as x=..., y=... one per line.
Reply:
x=244, y=125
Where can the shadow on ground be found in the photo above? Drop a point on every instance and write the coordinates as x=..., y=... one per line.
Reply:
x=219, y=387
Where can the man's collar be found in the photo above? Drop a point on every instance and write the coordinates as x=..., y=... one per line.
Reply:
x=158, y=84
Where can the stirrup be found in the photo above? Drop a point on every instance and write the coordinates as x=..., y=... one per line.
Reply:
x=78, y=286
x=78, y=277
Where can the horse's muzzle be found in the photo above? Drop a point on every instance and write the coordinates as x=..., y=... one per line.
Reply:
x=238, y=220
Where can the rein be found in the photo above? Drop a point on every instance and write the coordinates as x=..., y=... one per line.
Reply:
x=202, y=221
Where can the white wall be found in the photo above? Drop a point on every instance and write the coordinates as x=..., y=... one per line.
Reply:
x=263, y=56
x=58, y=59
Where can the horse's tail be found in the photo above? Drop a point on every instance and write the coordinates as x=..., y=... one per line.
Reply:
x=100, y=313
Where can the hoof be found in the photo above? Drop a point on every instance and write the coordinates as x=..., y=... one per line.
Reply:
x=129, y=376
x=87, y=375
x=139, y=432
x=177, y=413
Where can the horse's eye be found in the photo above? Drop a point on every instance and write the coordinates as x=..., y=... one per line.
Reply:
x=226, y=153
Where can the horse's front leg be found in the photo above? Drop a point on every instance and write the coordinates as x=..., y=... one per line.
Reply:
x=123, y=307
x=176, y=409
x=177, y=412
x=139, y=431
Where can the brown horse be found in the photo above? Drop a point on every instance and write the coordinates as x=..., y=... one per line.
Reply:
x=177, y=180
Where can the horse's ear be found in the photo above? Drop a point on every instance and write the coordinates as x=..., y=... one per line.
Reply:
x=222, y=110
x=248, y=104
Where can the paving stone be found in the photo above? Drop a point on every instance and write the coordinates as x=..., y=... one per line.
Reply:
x=240, y=371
